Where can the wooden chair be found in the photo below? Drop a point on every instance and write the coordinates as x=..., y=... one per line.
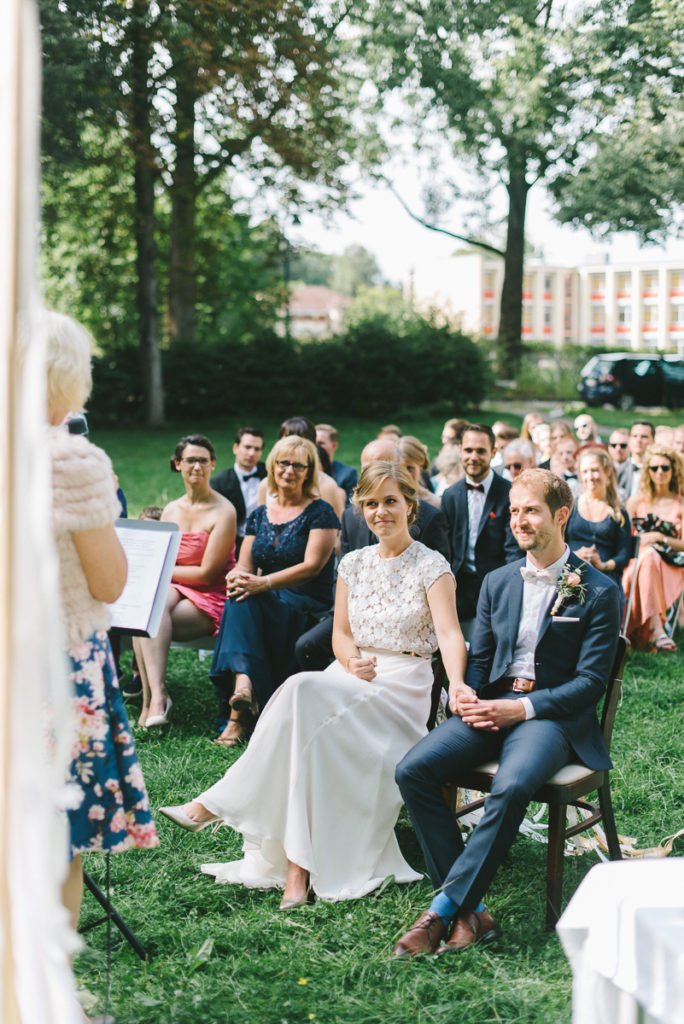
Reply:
x=565, y=789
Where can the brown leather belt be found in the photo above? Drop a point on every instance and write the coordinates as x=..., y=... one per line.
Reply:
x=413, y=654
x=518, y=684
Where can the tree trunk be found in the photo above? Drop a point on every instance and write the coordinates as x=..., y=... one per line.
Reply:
x=510, y=323
x=182, y=286
x=146, y=249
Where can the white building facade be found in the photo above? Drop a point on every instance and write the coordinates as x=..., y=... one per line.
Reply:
x=630, y=306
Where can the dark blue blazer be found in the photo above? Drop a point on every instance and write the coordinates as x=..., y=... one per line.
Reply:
x=429, y=528
x=227, y=483
x=344, y=476
x=495, y=544
x=573, y=659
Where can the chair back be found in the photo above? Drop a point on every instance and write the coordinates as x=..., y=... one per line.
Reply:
x=613, y=691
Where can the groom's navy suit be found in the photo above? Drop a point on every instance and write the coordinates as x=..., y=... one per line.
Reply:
x=573, y=657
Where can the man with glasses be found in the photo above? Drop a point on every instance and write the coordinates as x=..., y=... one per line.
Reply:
x=517, y=456
x=618, y=449
x=641, y=435
x=586, y=430
x=240, y=485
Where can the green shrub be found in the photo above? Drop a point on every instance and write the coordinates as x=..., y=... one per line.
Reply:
x=375, y=367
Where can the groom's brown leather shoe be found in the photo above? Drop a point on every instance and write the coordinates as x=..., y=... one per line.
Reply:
x=422, y=937
x=471, y=927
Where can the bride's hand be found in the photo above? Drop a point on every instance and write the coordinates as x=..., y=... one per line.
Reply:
x=362, y=668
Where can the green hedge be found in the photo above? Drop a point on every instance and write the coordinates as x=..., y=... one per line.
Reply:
x=371, y=369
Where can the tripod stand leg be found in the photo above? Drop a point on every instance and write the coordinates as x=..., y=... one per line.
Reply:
x=114, y=917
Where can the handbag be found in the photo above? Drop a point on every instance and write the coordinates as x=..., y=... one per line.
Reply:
x=651, y=523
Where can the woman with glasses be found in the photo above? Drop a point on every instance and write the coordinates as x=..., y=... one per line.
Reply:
x=283, y=578
x=197, y=593
x=599, y=529
x=314, y=795
x=657, y=576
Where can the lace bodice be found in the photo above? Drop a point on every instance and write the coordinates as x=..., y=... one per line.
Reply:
x=387, y=605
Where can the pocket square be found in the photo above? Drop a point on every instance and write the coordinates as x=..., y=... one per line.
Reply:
x=565, y=618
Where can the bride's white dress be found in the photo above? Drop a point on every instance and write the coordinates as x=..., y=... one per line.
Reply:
x=316, y=784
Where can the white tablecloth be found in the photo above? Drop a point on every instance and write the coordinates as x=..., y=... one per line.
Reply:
x=623, y=933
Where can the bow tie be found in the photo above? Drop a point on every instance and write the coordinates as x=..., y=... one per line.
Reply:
x=475, y=487
x=537, y=575
x=251, y=476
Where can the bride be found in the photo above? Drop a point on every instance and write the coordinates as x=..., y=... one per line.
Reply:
x=314, y=794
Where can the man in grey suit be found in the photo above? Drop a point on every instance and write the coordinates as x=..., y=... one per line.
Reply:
x=543, y=645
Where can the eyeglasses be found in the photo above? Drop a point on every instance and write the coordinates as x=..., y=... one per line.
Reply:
x=513, y=465
x=618, y=444
x=196, y=460
x=661, y=467
x=298, y=467
x=582, y=425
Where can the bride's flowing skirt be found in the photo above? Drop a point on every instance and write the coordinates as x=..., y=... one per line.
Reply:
x=316, y=784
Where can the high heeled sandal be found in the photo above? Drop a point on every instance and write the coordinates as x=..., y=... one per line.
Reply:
x=298, y=901
x=178, y=816
x=237, y=733
x=243, y=700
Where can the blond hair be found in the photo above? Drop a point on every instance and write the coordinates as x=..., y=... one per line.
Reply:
x=68, y=359
x=287, y=447
x=606, y=464
x=413, y=450
x=375, y=474
x=646, y=486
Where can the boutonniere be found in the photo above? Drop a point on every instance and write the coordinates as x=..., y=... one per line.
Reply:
x=492, y=514
x=570, y=584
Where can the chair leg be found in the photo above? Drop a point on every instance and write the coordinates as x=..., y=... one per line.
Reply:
x=554, y=863
x=606, y=805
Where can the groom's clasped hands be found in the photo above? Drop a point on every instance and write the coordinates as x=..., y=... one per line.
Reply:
x=489, y=715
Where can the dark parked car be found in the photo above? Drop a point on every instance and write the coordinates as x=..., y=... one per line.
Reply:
x=626, y=379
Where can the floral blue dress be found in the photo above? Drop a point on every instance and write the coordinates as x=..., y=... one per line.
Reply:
x=108, y=806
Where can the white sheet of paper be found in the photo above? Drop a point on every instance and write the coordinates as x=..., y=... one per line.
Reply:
x=148, y=553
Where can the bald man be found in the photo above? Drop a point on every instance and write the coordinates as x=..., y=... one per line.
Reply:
x=314, y=649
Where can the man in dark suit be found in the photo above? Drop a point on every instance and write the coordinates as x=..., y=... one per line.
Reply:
x=478, y=519
x=344, y=476
x=240, y=485
x=543, y=646
x=314, y=648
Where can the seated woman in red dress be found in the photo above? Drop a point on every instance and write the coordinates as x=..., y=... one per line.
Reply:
x=658, y=513
x=198, y=586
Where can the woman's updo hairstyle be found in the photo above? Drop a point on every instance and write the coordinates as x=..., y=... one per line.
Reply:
x=375, y=474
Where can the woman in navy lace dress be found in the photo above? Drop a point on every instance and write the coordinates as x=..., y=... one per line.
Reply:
x=285, y=574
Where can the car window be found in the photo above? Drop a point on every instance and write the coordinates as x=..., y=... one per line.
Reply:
x=644, y=368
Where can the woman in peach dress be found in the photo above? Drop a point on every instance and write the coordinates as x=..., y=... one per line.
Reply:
x=658, y=513
x=198, y=589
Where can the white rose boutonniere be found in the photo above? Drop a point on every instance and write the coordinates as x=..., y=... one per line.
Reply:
x=570, y=584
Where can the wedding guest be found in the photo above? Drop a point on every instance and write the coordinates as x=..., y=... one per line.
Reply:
x=518, y=455
x=314, y=795
x=599, y=529
x=641, y=435
x=586, y=430
x=563, y=461
x=541, y=438
x=283, y=577
x=678, y=440
x=108, y=806
x=504, y=433
x=618, y=449
x=449, y=469
x=451, y=439
x=657, y=576
x=530, y=420
x=240, y=484
x=529, y=700
x=196, y=596
x=300, y=426
x=414, y=455
x=328, y=438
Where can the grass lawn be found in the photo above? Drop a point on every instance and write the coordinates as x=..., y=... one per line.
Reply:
x=225, y=954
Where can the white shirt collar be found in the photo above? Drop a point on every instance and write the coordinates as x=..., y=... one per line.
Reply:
x=556, y=567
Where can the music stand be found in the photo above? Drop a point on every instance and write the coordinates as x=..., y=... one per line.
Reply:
x=111, y=916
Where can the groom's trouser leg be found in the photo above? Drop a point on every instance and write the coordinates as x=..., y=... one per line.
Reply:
x=421, y=775
x=529, y=754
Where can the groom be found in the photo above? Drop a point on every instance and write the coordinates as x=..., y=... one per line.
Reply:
x=542, y=649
